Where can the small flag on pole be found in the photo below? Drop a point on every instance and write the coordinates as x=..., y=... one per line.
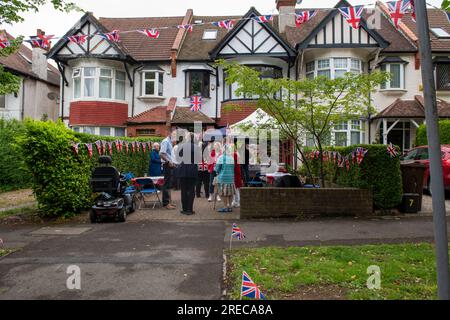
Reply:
x=237, y=232
x=250, y=289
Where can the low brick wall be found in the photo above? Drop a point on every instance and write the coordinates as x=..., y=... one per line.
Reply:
x=281, y=202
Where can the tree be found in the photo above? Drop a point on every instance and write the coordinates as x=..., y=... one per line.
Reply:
x=446, y=5
x=308, y=106
x=11, y=11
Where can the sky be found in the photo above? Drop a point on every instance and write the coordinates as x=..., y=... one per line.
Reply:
x=58, y=23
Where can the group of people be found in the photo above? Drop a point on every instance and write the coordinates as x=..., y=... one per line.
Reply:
x=194, y=163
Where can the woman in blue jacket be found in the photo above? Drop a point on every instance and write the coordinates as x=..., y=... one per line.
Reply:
x=155, y=162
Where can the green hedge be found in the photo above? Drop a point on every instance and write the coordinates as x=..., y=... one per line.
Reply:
x=444, y=133
x=60, y=175
x=13, y=171
x=378, y=172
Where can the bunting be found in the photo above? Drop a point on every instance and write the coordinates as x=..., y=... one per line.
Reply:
x=98, y=144
x=304, y=16
x=397, y=10
x=196, y=103
x=352, y=15
x=75, y=147
x=264, y=19
x=41, y=41
x=89, y=148
x=113, y=36
x=151, y=33
x=225, y=24
x=392, y=150
x=78, y=39
x=188, y=27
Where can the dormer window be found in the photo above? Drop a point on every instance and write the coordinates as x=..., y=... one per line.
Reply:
x=397, y=72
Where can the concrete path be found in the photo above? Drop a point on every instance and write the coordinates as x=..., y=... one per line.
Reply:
x=165, y=260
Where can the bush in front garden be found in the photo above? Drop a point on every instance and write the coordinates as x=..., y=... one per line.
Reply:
x=61, y=176
x=444, y=133
x=378, y=172
x=13, y=171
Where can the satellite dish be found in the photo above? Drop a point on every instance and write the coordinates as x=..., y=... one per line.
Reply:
x=52, y=96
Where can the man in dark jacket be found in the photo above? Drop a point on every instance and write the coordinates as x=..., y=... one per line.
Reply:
x=188, y=155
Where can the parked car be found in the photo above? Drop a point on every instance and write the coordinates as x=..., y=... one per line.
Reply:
x=420, y=155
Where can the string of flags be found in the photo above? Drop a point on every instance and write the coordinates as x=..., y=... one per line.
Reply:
x=105, y=147
x=352, y=14
x=196, y=103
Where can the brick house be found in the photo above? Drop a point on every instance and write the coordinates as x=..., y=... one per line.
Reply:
x=141, y=86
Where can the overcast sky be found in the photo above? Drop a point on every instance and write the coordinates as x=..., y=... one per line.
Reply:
x=58, y=23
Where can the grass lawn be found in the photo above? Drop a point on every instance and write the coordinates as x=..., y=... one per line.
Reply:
x=15, y=198
x=336, y=272
x=25, y=211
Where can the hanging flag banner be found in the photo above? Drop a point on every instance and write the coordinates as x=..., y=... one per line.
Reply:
x=4, y=44
x=397, y=10
x=110, y=148
x=144, y=146
x=196, y=103
x=352, y=15
x=225, y=24
x=126, y=144
x=360, y=155
x=78, y=39
x=304, y=16
x=264, y=19
x=113, y=36
x=413, y=9
x=188, y=27
x=151, y=33
x=75, y=147
x=103, y=146
x=118, y=145
x=89, y=148
x=347, y=163
x=98, y=144
x=392, y=150
x=41, y=41
x=250, y=289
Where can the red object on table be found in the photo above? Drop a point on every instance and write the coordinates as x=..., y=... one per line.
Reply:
x=158, y=181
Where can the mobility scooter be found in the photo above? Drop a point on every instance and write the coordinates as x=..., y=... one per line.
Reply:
x=114, y=199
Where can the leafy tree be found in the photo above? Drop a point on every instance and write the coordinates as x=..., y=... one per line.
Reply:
x=307, y=106
x=11, y=11
x=446, y=5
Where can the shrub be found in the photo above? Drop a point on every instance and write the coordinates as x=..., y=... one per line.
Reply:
x=378, y=172
x=60, y=175
x=13, y=171
x=444, y=133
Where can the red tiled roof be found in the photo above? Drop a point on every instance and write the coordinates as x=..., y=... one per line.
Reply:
x=184, y=115
x=413, y=109
x=139, y=46
x=20, y=62
x=154, y=115
x=235, y=111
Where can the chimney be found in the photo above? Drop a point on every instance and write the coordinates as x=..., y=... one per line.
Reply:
x=286, y=9
x=39, y=59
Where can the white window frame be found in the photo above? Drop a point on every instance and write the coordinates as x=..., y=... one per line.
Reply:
x=332, y=67
x=349, y=129
x=387, y=85
x=82, y=129
x=156, y=83
x=80, y=77
x=110, y=78
x=124, y=83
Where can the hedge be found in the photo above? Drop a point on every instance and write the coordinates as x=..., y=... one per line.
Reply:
x=13, y=171
x=444, y=133
x=377, y=172
x=60, y=175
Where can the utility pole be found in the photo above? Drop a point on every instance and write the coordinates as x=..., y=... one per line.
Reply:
x=437, y=185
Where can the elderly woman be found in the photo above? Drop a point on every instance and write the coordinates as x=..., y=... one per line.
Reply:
x=225, y=178
x=155, y=162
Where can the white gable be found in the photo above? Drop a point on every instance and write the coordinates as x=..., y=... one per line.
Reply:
x=339, y=32
x=253, y=38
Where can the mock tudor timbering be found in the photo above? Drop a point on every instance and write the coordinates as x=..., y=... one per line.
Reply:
x=153, y=79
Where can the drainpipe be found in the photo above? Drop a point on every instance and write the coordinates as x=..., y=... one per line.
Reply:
x=61, y=102
x=22, y=109
x=134, y=86
x=217, y=92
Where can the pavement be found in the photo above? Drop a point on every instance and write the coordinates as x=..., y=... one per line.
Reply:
x=148, y=258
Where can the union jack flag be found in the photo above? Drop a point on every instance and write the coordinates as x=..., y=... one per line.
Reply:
x=196, y=103
x=188, y=27
x=352, y=15
x=304, y=16
x=78, y=39
x=413, y=9
x=250, y=289
x=265, y=18
x=392, y=151
x=151, y=33
x=397, y=10
x=41, y=41
x=360, y=154
x=226, y=24
x=89, y=148
x=4, y=44
x=237, y=232
x=98, y=144
x=112, y=36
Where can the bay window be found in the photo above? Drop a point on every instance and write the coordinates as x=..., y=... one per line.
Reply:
x=397, y=81
x=103, y=83
x=348, y=133
x=333, y=68
x=152, y=83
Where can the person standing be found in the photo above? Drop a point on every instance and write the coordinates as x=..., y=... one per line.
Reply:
x=188, y=156
x=214, y=153
x=225, y=178
x=246, y=164
x=155, y=162
x=168, y=161
x=203, y=173
x=237, y=180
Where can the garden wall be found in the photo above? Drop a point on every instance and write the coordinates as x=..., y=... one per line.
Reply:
x=283, y=202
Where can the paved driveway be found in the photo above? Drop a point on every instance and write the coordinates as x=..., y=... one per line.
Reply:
x=157, y=260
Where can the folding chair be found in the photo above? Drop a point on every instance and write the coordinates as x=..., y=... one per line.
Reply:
x=147, y=187
x=256, y=181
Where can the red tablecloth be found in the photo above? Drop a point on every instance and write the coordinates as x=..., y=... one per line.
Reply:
x=159, y=181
